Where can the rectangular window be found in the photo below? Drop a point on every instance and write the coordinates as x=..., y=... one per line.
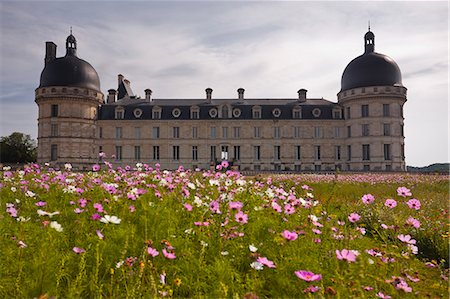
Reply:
x=336, y=114
x=402, y=128
x=118, y=132
x=317, y=153
x=155, y=152
x=213, y=155
x=156, y=114
x=213, y=132
x=224, y=152
x=366, y=152
x=337, y=152
x=297, y=152
x=364, y=110
x=297, y=114
x=349, y=154
x=296, y=132
x=155, y=132
x=224, y=132
x=237, y=132
x=365, y=129
x=257, y=152
x=277, y=152
x=237, y=152
x=176, y=152
x=318, y=132
x=257, y=132
x=387, y=152
x=276, y=132
x=54, y=130
x=317, y=167
x=387, y=129
x=257, y=167
x=195, y=153
x=54, y=152
x=176, y=132
x=119, y=114
x=297, y=167
x=366, y=167
x=100, y=132
x=137, y=153
x=137, y=132
x=54, y=112
x=337, y=132
x=349, y=131
x=386, y=110
x=256, y=113
x=118, y=153
x=195, y=114
x=348, y=113
x=388, y=167
x=194, y=132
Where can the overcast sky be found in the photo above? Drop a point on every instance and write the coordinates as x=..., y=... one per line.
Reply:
x=271, y=49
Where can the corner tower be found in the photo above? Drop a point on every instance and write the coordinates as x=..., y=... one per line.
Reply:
x=68, y=97
x=372, y=95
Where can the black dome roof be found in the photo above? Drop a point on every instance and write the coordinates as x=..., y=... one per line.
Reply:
x=70, y=70
x=371, y=69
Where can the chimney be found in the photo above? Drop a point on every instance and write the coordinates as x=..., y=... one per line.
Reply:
x=148, y=95
x=208, y=94
x=111, y=96
x=241, y=94
x=120, y=78
x=50, y=52
x=302, y=95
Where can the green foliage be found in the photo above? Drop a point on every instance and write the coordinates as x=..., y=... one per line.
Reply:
x=213, y=260
x=17, y=148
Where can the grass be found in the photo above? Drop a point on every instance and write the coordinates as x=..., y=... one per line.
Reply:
x=188, y=213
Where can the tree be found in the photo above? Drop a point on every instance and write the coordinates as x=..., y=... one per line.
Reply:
x=17, y=148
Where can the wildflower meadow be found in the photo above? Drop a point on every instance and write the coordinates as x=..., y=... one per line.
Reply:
x=143, y=232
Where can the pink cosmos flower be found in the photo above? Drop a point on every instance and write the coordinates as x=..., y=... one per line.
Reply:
x=132, y=208
x=403, y=191
x=96, y=167
x=40, y=203
x=368, y=199
x=288, y=209
x=224, y=164
x=153, y=252
x=188, y=207
x=169, y=255
x=241, y=217
x=317, y=231
x=98, y=207
x=101, y=155
x=383, y=296
x=236, y=205
x=406, y=239
x=413, y=222
x=413, y=204
x=78, y=211
x=311, y=289
x=291, y=236
x=307, y=275
x=347, y=255
x=353, y=217
x=368, y=288
x=390, y=203
x=99, y=234
x=78, y=250
x=214, y=207
x=403, y=285
x=266, y=262
x=21, y=244
x=96, y=216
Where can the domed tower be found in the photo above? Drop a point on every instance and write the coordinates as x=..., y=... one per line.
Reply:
x=372, y=95
x=67, y=97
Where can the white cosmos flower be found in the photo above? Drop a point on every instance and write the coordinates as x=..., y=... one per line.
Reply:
x=252, y=248
x=257, y=266
x=110, y=219
x=191, y=186
x=68, y=166
x=56, y=226
x=30, y=194
x=44, y=213
x=6, y=168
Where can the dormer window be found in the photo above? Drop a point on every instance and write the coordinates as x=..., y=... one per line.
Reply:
x=256, y=112
x=119, y=113
x=225, y=111
x=156, y=113
x=195, y=112
x=337, y=113
x=297, y=113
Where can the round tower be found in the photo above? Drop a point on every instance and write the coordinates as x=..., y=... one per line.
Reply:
x=372, y=95
x=68, y=97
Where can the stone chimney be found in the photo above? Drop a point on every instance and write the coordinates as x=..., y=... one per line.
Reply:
x=50, y=52
x=209, y=94
x=119, y=79
x=148, y=95
x=302, y=95
x=111, y=96
x=241, y=94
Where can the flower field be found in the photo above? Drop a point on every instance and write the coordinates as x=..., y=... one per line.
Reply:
x=145, y=232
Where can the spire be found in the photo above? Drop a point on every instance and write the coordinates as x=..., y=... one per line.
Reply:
x=369, y=42
x=369, y=26
x=71, y=44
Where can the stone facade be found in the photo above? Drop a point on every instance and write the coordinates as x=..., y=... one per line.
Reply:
x=363, y=131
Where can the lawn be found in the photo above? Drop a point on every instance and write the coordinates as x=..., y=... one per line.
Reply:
x=145, y=232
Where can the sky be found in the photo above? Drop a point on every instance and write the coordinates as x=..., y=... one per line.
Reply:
x=270, y=48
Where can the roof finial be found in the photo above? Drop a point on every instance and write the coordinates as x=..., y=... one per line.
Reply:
x=71, y=30
x=369, y=25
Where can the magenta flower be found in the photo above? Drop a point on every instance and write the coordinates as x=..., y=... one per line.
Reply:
x=188, y=207
x=153, y=252
x=78, y=250
x=168, y=255
x=98, y=207
x=368, y=199
x=291, y=236
x=307, y=275
x=96, y=167
x=403, y=191
x=317, y=231
x=353, y=217
x=413, y=222
x=347, y=255
x=40, y=203
x=241, y=217
x=382, y=296
x=311, y=289
x=236, y=205
x=96, y=216
x=264, y=261
x=99, y=234
x=406, y=239
x=214, y=207
x=390, y=203
x=224, y=164
x=413, y=204
x=288, y=209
